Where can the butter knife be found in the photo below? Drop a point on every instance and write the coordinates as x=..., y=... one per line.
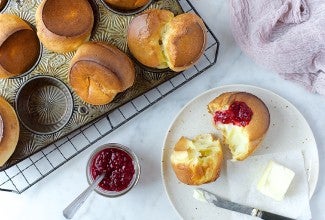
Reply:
x=226, y=204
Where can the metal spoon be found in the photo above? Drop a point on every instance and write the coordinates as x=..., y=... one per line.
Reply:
x=71, y=209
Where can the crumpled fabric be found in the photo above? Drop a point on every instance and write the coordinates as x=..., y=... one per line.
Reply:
x=286, y=36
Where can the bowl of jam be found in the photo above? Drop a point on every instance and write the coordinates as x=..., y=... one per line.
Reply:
x=121, y=167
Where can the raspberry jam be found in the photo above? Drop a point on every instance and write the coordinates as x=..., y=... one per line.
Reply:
x=118, y=166
x=238, y=114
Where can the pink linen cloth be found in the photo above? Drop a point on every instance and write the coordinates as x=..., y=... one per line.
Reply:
x=286, y=36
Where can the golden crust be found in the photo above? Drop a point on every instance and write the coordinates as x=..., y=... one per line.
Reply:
x=10, y=136
x=157, y=39
x=16, y=57
x=184, y=41
x=127, y=4
x=145, y=37
x=257, y=127
x=11, y=24
x=194, y=165
x=62, y=26
x=99, y=71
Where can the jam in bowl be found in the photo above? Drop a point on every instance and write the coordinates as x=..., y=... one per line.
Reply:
x=121, y=168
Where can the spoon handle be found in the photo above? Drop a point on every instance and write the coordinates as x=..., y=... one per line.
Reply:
x=71, y=209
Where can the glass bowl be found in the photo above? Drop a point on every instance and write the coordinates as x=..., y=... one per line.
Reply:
x=114, y=152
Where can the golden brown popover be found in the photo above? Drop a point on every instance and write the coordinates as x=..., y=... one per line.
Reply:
x=197, y=161
x=243, y=119
x=63, y=25
x=9, y=131
x=99, y=71
x=19, y=46
x=157, y=39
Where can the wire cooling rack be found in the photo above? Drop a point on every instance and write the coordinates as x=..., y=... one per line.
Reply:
x=25, y=174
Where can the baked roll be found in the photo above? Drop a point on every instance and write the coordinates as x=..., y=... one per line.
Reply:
x=9, y=131
x=197, y=161
x=127, y=4
x=19, y=46
x=63, y=25
x=99, y=71
x=157, y=39
x=243, y=119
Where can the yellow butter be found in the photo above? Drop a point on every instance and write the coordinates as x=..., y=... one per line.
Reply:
x=275, y=181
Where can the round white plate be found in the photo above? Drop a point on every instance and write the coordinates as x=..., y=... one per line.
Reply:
x=288, y=131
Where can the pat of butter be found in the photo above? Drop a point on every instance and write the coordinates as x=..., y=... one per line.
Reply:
x=198, y=195
x=275, y=181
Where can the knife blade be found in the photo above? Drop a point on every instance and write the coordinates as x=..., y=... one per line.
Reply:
x=233, y=206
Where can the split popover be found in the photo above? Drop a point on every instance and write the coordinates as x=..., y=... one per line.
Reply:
x=19, y=46
x=127, y=4
x=63, y=25
x=9, y=131
x=158, y=39
x=243, y=119
x=99, y=71
x=197, y=161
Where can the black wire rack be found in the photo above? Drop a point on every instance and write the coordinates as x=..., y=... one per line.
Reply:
x=26, y=173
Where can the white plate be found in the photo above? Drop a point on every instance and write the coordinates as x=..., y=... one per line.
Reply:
x=288, y=131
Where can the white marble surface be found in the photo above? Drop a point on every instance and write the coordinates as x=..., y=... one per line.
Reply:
x=146, y=132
